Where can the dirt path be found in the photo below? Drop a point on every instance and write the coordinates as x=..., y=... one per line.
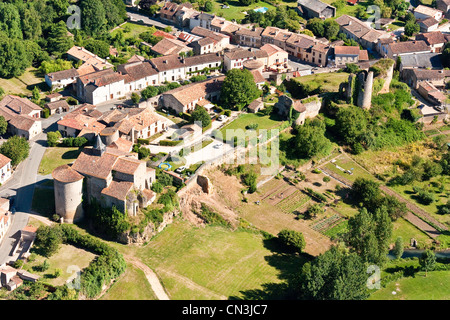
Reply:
x=192, y=285
x=152, y=278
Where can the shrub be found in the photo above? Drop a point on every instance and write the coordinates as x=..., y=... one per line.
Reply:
x=293, y=240
x=157, y=187
x=143, y=141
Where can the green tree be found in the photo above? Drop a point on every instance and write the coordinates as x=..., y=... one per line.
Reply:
x=351, y=124
x=334, y=275
x=427, y=261
x=209, y=6
x=14, y=58
x=135, y=98
x=310, y=139
x=239, y=89
x=149, y=92
x=59, y=41
x=10, y=21
x=98, y=47
x=292, y=239
x=317, y=26
x=94, y=16
x=411, y=28
x=48, y=240
x=16, y=148
x=201, y=115
x=35, y=95
x=3, y=124
x=398, y=248
x=369, y=234
x=53, y=138
x=367, y=192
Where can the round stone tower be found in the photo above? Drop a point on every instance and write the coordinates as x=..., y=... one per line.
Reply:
x=68, y=185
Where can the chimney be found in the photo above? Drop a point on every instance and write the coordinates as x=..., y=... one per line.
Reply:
x=350, y=23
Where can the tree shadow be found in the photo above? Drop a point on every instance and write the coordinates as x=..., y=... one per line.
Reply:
x=71, y=154
x=289, y=265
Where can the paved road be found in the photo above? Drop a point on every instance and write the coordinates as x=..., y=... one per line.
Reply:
x=21, y=187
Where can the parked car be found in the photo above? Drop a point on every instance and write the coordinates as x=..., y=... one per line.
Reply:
x=217, y=146
x=222, y=117
x=180, y=169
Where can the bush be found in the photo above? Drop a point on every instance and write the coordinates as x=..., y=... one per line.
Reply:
x=143, y=141
x=169, y=143
x=293, y=240
x=53, y=138
x=157, y=187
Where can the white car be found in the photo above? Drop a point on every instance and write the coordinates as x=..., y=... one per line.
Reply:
x=217, y=146
x=222, y=117
x=180, y=169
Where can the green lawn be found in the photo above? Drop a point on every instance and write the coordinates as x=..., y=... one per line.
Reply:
x=68, y=258
x=57, y=156
x=433, y=287
x=404, y=229
x=214, y=262
x=441, y=198
x=264, y=122
x=237, y=11
x=132, y=285
x=134, y=29
x=24, y=83
x=328, y=81
x=348, y=164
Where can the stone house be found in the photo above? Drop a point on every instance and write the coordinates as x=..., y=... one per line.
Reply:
x=249, y=37
x=22, y=115
x=185, y=98
x=315, y=9
x=61, y=79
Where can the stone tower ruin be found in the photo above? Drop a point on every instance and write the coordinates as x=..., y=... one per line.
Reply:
x=68, y=186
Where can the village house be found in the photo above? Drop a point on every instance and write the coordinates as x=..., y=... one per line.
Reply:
x=139, y=123
x=57, y=107
x=73, y=124
x=22, y=115
x=185, y=98
x=188, y=132
x=52, y=97
x=168, y=11
x=249, y=37
x=184, y=14
x=228, y=28
x=349, y=54
x=444, y=6
x=428, y=24
x=203, y=46
x=221, y=41
x=235, y=58
x=138, y=75
x=395, y=49
x=89, y=59
x=315, y=9
x=422, y=12
x=357, y=30
x=277, y=58
x=431, y=93
x=436, y=40
x=437, y=78
x=61, y=79
x=188, y=37
x=169, y=46
x=276, y=36
x=255, y=106
x=9, y=278
x=101, y=86
x=298, y=44
x=428, y=60
x=202, y=20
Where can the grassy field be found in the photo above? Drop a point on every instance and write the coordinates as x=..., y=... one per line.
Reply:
x=68, y=258
x=433, y=287
x=441, y=197
x=237, y=11
x=329, y=83
x=404, y=229
x=213, y=262
x=348, y=164
x=132, y=285
x=57, y=156
x=131, y=29
x=263, y=121
x=24, y=83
